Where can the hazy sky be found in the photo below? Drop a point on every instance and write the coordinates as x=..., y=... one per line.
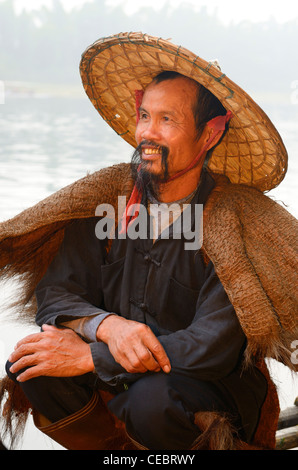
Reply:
x=228, y=10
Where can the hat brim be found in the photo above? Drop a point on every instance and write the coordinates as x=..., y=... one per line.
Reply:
x=113, y=68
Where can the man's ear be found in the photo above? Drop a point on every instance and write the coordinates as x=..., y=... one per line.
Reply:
x=208, y=136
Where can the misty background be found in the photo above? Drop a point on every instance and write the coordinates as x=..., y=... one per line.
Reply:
x=41, y=43
x=45, y=45
x=50, y=134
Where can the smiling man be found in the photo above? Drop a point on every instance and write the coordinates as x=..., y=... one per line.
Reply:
x=141, y=334
x=172, y=131
x=167, y=122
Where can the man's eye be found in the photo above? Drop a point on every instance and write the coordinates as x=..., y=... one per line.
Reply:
x=143, y=115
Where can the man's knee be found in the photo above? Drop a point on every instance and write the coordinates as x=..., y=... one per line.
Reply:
x=56, y=397
x=11, y=375
x=154, y=414
x=36, y=390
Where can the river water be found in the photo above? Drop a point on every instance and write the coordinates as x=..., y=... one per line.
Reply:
x=47, y=142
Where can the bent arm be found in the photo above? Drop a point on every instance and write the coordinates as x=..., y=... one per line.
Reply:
x=71, y=287
x=70, y=295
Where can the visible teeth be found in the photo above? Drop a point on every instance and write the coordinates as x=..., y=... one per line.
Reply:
x=151, y=151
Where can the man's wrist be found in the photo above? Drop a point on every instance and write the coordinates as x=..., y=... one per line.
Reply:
x=102, y=332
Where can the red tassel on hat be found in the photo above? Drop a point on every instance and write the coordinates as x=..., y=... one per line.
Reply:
x=139, y=97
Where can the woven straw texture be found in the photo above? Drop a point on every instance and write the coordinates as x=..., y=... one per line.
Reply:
x=113, y=68
x=253, y=244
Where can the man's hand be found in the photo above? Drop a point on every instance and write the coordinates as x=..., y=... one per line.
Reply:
x=53, y=352
x=133, y=345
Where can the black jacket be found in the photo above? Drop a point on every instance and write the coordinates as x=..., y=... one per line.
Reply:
x=160, y=284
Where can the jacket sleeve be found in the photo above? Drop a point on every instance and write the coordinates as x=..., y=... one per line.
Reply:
x=69, y=291
x=209, y=349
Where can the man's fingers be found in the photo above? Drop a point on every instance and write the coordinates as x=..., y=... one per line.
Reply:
x=149, y=343
x=30, y=373
x=34, y=338
x=137, y=359
x=161, y=357
x=158, y=352
x=133, y=364
x=22, y=350
x=23, y=362
x=146, y=358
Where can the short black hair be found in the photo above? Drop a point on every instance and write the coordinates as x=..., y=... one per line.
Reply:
x=207, y=106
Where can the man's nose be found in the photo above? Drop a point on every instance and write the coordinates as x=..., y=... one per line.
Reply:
x=151, y=131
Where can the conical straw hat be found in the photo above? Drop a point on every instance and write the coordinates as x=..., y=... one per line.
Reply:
x=113, y=68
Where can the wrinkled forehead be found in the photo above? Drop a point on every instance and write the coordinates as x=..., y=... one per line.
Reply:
x=176, y=80
x=177, y=89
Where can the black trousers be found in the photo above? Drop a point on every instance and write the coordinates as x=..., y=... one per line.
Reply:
x=158, y=409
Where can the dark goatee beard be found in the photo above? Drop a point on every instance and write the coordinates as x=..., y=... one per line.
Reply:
x=143, y=177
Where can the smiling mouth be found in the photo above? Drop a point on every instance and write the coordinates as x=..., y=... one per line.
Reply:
x=152, y=151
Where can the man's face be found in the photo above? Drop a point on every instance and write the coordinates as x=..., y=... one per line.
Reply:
x=167, y=120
